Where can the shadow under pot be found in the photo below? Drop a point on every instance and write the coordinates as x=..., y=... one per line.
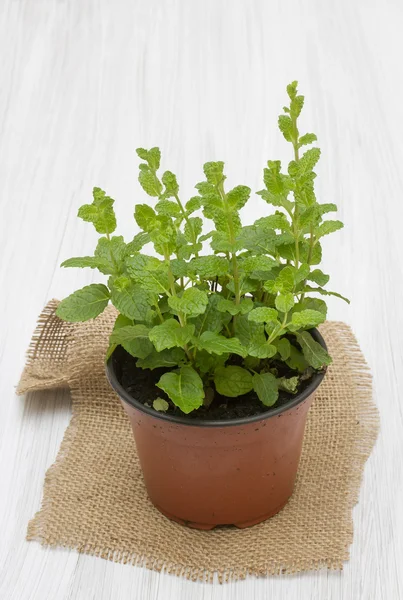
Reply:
x=206, y=473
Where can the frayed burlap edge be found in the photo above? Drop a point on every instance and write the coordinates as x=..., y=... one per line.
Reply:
x=33, y=379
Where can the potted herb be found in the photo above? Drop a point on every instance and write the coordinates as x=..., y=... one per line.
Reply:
x=214, y=353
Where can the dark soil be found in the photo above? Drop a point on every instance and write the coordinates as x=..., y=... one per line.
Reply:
x=141, y=385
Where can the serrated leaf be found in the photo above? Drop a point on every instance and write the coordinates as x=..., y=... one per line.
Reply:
x=284, y=302
x=166, y=358
x=232, y=381
x=113, y=251
x=170, y=334
x=168, y=208
x=160, y=405
x=313, y=352
x=249, y=332
x=296, y=361
x=308, y=161
x=137, y=243
x=134, y=302
x=152, y=156
x=134, y=339
x=150, y=183
x=292, y=89
x=296, y=106
x=215, y=343
x=283, y=348
x=257, y=263
x=225, y=305
x=121, y=321
x=214, y=172
x=150, y=272
x=311, y=303
x=317, y=276
x=184, y=388
x=328, y=227
x=263, y=315
x=193, y=228
x=307, y=138
x=170, y=183
x=84, y=304
x=266, y=388
x=289, y=385
x=261, y=350
x=92, y=262
x=286, y=127
x=192, y=302
x=307, y=318
x=319, y=290
x=209, y=267
x=211, y=319
x=193, y=204
x=238, y=196
x=100, y=212
x=145, y=217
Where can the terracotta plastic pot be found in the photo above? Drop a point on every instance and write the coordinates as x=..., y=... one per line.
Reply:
x=209, y=473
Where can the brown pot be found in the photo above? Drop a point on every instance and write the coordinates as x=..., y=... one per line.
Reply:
x=208, y=473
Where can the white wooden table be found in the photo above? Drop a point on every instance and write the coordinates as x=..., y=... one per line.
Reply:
x=83, y=83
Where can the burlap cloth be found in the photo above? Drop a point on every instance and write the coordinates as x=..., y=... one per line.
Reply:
x=94, y=499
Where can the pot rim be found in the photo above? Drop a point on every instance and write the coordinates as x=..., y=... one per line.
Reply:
x=194, y=422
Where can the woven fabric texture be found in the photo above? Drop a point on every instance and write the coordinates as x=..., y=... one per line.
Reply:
x=94, y=499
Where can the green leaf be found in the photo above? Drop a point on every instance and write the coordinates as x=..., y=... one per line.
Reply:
x=150, y=183
x=134, y=302
x=192, y=302
x=292, y=89
x=258, y=263
x=283, y=348
x=238, y=197
x=134, y=339
x=193, y=228
x=160, y=404
x=319, y=290
x=263, y=315
x=313, y=352
x=328, y=227
x=121, y=321
x=307, y=318
x=100, y=212
x=145, y=217
x=313, y=304
x=318, y=277
x=209, y=267
x=92, y=262
x=219, y=344
x=184, y=388
x=170, y=183
x=166, y=358
x=152, y=156
x=150, y=272
x=308, y=161
x=193, y=204
x=84, y=304
x=225, y=305
x=170, y=334
x=214, y=172
x=212, y=319
x=248, y=331
x=167, y=208
x=232, y=381
x=266, y=387
x=306, y=139
x=113, y=251
x=289, y=385
x=261, y=349
x=286, y=127
x=297, y=360
x=137, y=243
x=284, y=302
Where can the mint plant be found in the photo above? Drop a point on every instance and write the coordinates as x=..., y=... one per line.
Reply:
x=230, y=320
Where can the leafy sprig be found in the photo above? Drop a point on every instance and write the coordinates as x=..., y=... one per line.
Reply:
x=224, y=321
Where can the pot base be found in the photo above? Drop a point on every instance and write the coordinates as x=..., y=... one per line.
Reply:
x=209, y=526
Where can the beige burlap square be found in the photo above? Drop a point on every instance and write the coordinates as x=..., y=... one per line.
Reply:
x=94, y=499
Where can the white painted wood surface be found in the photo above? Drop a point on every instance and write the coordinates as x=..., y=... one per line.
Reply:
x=83, y=83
